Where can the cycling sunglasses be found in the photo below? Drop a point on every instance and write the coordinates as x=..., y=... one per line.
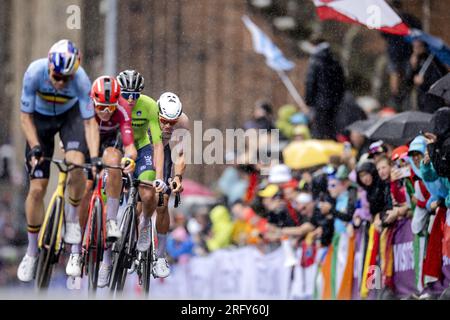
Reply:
x=133, y=95
x=59, y=77
x=165, y=121
x=110, y=108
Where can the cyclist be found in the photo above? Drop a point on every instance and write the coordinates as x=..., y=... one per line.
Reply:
x=171, y=118
x=55, y=99
x=144, y=118
x=114, y=122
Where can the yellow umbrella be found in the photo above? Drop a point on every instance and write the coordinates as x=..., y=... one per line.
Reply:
x=310, y=153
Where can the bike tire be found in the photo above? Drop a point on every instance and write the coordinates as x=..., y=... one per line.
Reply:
x=47, y=254
x=95, y=250
x=147, y=271
x=130, y=247
x=118, y=270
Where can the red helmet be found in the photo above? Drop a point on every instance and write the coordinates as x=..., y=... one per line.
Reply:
x=105, y=91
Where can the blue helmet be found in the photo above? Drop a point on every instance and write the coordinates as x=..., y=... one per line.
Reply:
x=64, y=57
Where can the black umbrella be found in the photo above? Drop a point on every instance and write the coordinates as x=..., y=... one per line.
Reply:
x=400, y=128
x=361, y=126
x=441, y=88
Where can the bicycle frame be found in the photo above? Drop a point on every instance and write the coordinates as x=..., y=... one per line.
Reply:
x=96, y=195
x=129, y=226
x=59, y=193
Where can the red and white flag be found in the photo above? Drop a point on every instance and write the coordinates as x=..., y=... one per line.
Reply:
x=374, y=14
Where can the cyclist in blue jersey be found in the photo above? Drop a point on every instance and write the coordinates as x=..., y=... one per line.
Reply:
x=55, y=99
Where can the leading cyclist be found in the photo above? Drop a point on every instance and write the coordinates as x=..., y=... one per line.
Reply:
x=55, y=99
x=144, y=112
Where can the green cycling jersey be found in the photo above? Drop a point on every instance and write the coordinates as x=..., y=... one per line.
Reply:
x=145, y=119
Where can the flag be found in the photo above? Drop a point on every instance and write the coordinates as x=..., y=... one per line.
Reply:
x=374, y=14
x=436, y=45
x=263, y=45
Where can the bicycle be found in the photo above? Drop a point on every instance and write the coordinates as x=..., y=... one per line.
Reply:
x=94, y=235
x=50, y=241
x=124, y=251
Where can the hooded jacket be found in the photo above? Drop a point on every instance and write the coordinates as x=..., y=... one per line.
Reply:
x=378, y=193
x=221, y=228
x=435, y=188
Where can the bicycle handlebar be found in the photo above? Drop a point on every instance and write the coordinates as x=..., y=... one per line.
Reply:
x=137, y=183
x=177, y=196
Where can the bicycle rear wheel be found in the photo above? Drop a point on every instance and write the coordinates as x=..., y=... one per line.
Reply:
x=95, y=250
x=47, y=254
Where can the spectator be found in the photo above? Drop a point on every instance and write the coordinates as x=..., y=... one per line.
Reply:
x=180, y=245
x=344, y=195
x=284, y=122
x=422, y=77
x=241, y=226
x=221, y=228
x=348, y=112
x=199, y=226
x=399, y=52
x=262, y=117
x=324, y=89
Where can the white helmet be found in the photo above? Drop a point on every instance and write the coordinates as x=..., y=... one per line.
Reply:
x=170, y=107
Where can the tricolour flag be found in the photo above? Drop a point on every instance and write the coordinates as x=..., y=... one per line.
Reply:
x=263, y=45
x=374, y=14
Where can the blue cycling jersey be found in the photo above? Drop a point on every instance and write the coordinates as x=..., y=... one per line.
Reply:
x=39, y=95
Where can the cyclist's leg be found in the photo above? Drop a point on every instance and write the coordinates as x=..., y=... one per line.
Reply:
x=145, y=172
x=34, y=203
x=162, y=217
x=84, y=204
x=161, y=267
x=112, y=157
x=73, y=138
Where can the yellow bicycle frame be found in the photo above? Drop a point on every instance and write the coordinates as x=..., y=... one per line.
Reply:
x=59, y=192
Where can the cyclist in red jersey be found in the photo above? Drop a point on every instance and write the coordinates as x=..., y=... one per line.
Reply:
x=116, y=134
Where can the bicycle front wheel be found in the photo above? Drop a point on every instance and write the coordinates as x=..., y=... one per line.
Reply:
x=95, y=250
x=147, y=270
x=122, y=254
x=47, y=254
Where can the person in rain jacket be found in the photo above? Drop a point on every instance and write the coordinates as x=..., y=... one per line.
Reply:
x=325, y=87
x=221, y=228
x=431, y=193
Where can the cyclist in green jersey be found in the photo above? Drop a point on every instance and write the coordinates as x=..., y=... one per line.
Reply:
x=150, y=158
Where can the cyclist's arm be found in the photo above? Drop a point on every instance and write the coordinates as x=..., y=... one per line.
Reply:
x=87, y=112
x=180, y=163
x=126, y=130
x=27, y=105
x=158, y=147
x=92, y=136
x=159, y=159
x=29, y=129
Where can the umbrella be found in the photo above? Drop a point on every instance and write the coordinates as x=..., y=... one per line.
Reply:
x=361, y=126
x=436, y=45
x=310, y=153
x=192, y=188
x=441, y=88
x=400, y=128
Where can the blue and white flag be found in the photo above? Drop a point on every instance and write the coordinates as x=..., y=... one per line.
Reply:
x=263, y=45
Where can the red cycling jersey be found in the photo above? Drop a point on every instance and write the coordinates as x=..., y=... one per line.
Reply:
x=120, y=119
